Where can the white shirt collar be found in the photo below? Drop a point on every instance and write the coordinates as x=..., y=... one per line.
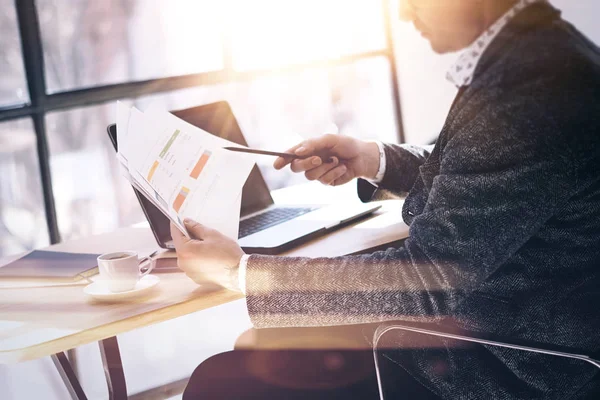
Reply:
x=461, y=72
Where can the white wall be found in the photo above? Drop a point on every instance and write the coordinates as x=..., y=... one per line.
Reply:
x=426, y=95
x=583, y=14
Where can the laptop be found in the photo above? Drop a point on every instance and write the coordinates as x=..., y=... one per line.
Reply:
x=265, y=228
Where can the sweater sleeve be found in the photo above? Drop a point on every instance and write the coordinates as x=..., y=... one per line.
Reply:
x=402, y=164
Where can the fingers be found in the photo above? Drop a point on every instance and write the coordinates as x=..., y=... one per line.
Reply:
x=179, y=238
x=312, y=146
x=196, y=230
x=347, y=177
x=281, y=162
x=306, y=149
x=301, y=165
x=336, y=173
x=315, y=173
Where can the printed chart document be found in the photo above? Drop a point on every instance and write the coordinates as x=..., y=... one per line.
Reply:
x=183, y=170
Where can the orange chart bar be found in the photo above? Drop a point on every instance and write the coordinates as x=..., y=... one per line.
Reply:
x=180, y=198
x=200, y=164
x=152, y=170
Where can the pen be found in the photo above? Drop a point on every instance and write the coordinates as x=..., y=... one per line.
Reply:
x=291, y=156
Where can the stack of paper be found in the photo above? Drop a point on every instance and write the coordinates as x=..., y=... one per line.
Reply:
x=183, y=170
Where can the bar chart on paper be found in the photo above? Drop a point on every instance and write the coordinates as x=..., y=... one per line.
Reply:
x=152, y=170
x=172, y=139
x=180, y=199
x=168, y=165
x=200, y=164
x=183, y=170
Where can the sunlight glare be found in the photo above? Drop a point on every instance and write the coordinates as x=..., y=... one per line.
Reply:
x=274, y=33
x=193, y=31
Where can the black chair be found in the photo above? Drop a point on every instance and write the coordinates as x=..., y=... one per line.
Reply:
x=299, y=363
x=325, y=363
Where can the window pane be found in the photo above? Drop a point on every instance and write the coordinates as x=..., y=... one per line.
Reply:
x=583, y=14
x=273, y=112
x=13, y=88
x=426, y=94
x=22, y=216
x=274, y=33
x=90, y=194
x=113, y=41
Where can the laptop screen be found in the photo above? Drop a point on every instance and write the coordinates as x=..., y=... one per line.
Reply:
x=217, y=119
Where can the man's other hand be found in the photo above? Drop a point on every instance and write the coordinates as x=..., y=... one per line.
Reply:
x=208, y=256
x=348, y=158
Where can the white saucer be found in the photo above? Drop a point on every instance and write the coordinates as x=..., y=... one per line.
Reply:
x=99, y=291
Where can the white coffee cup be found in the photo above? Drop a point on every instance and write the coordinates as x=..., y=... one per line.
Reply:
x=120, y=271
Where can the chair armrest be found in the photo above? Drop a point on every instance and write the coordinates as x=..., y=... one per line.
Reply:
x=385, y=328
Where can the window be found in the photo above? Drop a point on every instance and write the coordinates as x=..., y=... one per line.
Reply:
x=275, y=33
x=426, y=93
x=289, y=69
x=90, y=194
x=273, y=112
x=112, y=41
x=22, y=216
x=13, y=88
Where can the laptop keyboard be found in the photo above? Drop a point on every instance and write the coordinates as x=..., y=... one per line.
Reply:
x=270, y=218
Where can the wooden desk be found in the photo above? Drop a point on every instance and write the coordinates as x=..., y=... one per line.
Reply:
x=47, y=321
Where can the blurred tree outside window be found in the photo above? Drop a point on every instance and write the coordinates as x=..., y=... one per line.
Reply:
x=91, y=43
x=13, y=87
x=22, y=216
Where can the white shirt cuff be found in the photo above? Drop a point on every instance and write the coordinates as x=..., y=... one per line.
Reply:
x=381, y=172
x=242, y=273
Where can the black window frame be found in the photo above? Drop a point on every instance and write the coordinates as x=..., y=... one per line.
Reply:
x=41, y=102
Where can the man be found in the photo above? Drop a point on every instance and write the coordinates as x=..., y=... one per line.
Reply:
x=504, y=211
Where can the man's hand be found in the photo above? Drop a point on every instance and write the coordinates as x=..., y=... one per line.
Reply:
x=208, y=256
x=350, y=158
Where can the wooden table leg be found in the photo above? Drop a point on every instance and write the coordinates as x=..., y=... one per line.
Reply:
x=68, y=376
x=113, y=368
x=115, y=377
x=72, y=356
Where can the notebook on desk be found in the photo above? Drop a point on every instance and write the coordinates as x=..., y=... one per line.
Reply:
x=51, y=266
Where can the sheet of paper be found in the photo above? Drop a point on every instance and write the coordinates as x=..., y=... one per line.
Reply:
x=213, y=176
x=138, y=182
x=227, y=226
x=184, y=170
